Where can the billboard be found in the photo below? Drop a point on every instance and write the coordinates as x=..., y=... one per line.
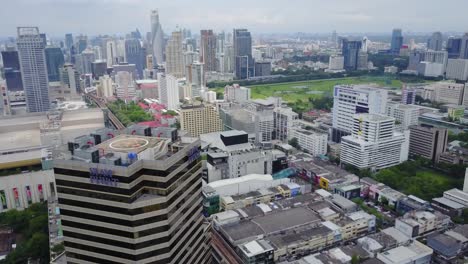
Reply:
x=16, y=197
x=40, y=191
x=28, y=194
x=3, y=202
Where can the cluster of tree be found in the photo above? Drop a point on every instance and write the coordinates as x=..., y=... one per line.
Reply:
x=317, y=57
x=129, y=113
x=31, y=227
x=322, y=103
x=384, y=60
x=417, y=178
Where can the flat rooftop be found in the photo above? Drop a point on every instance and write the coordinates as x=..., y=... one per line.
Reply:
x=130, y=143
x=20, y=139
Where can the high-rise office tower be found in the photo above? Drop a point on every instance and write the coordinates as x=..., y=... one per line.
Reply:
x=350, y=51
x=87, y=57
x=70, y=79
x=132, y=198
x=464, y=47
x=68, y=40
x=244, y=64
x=435, y=42
x=453, y=47
x=12, y=70
x=397, y=41
x=81, y=43
x=428, y=142
x=208, y=50
x=351, y=100
x=98, y=69
x=33, y=69
x=157, y=38
x=168, y=91
x=195, y=77
x=135, y=54
x=111, y=53
x=373, y=143
x=55, y=61
x=334, y=39
x=174, y=55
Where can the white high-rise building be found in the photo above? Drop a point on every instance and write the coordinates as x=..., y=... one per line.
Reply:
x=168, y=91
x=336, y=63
x=285, y=119
x=125, y=89
x=195, y=78
x=105, y=87
x=314, y=142
x=373, y=143
x=448, y=92
x=405, y=115
x=111, y=53
x=157, y=38
x=175, y=55
x=350, y=100
x=457, y=69
x=31, y=52
x=236, y=93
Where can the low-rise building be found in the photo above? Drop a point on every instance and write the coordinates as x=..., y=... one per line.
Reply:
x=312, y=141
x=414, y=252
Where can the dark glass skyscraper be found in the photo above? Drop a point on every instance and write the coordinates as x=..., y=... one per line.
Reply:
x=244, y=64
x=69, y=40
x=350, y=51
x=99, y=68
x=135, y=54
x=397, y=41
x=435, y=42
x=12, y=70
x=33, y=69
x=55, y=61
x=464, y=47
x=453, y=47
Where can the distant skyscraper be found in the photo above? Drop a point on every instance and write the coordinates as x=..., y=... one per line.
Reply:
x=33, y=68
x=334, y=39
x=397, y=41
x=12, y=70
x=70, y=78
x=350, y=51
x=111, y=53
x=55, y=61
x=69, y=40
x=175, y=56
x=157, y=38
x=98, y=69
x=464, y=47
x=81, y=43
x=208, y=50
x=435, y=42
x=87, y=57
x=134, y=54
x=453, y=47
x=244, y=64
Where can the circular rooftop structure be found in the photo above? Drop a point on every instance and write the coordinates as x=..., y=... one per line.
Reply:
x=128, y=144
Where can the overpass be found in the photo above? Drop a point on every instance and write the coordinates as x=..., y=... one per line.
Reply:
x=102, y=104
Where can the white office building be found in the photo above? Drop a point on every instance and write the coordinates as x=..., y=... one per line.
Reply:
x=374, y=144
x=336, y=63
x=448, y=93
x=350, y=100
x=312, y=141
x=457, y=69
x=405, y=115
x=236, y=93
x=105, y=87
x=168, y=91
x=125, y=89
x=285, y=119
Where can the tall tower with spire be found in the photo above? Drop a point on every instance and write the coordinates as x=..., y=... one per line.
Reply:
x=157, y=36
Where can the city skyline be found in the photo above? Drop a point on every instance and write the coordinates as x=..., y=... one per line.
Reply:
x=84, y=16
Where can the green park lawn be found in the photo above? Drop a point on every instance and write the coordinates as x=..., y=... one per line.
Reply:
x=304, y=90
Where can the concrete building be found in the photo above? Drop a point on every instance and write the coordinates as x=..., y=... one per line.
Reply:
x=125, y=86
x=168, y=91
x=414, y=252
x=448, y=93
x=137, y=225
x=408, y=94
x=351, y=100
x=231, y=155
x=314, y=142
x=70, y=81
x=374, y=144
x=208, y=50
x=431, y=69
x=284, y=120
x=199, y=119
x=262, y=68
x=457, y=69
x=195, y=78
x=405, y=115
x=105, y=87
x=435, y=42
x=174, y=55
x=336, y=63
x=428, y=142
x=236, y=93
x=31, y=51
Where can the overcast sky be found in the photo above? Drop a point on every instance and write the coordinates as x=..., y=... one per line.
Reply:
x=91, y=17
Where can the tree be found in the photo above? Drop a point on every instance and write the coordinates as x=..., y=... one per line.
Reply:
x=294, y=142
x=355, y=259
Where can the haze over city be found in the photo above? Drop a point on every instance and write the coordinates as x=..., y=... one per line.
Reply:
x=94, y=17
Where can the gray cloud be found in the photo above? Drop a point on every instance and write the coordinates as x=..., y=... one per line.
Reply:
x=57, y=17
